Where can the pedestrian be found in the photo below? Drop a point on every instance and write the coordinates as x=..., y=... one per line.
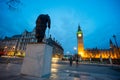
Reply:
x=77, y=60
x=71, y=61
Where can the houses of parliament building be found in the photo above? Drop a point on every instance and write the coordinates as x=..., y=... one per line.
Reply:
x=112, y=53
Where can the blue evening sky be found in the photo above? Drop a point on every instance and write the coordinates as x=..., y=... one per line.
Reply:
x=99, y=20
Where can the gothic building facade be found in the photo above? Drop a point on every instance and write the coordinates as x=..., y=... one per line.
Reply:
x=113, y=53
x=16, y=45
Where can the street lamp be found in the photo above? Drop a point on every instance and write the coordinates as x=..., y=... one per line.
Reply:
x=75, y=49
x=13, y=47
x=68, y=52
x=110, y=60
x=5, y=49
x=14, y=50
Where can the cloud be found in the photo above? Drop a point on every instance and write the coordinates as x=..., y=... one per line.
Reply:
x=65, y=17
x=64, y=25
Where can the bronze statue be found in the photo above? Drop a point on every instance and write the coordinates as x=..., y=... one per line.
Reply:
x=42, y=22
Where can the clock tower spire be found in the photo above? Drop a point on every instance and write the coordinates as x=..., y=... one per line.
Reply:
x=80, y=42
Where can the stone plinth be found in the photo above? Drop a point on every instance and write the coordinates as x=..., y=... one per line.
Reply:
x=37, y=61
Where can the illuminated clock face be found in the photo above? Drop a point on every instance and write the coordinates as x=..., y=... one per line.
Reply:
x=79, y=35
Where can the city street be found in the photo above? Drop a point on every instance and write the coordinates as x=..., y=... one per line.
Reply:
x=88, y=71
x=60, y=40
x=62, y=71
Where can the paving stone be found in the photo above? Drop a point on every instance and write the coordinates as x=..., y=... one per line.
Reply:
x=62, y=72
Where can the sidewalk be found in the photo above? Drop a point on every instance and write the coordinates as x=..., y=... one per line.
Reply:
x=70, y=74
x=12, y=72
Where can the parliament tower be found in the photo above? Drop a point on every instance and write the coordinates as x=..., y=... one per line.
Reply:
x=80, y=45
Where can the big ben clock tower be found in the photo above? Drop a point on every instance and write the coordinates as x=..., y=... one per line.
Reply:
x=80, y=42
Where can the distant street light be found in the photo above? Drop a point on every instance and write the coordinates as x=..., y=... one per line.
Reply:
x=13, y=47
x=5, y=49
x=68, y=52
x=75, y=49
x=13, y=50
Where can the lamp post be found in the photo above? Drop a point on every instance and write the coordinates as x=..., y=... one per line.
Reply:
x=75, y=49
x=14, y=50
x=68, y=52
x=5, y=49
x=101, y=60
x=16, y=46
x=110, y=60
